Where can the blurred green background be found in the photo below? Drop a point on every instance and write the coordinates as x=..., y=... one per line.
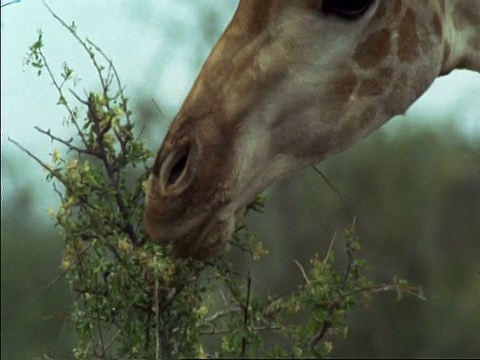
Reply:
x=413, y=187
x=416, y=199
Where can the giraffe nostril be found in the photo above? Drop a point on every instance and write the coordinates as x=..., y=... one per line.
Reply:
x=178, y=167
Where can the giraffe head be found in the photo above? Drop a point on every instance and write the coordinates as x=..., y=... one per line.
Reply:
x=290, y=83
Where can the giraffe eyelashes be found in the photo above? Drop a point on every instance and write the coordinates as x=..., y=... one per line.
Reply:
x=346, y=9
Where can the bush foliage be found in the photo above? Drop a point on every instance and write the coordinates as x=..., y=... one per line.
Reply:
x=133, y=298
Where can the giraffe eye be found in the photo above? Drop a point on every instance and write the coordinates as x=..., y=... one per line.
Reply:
x=346, y=9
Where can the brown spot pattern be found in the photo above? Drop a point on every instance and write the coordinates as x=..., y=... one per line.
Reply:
x=397, y=8
x=437, y=26
x=373, y=50
x=260, y=14
x=408, y=39
x=341, y=87
x=396, y=97
x=377, y=85
x=367, y=116
x=354, y=124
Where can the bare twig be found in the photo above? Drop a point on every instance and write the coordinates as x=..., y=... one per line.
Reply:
x=350, y=250
x=121, y=88
x=112, y=340
x=387, y=287
x=327, y=324
x=246, y=313
x=222, y=313
x=329, y=251
x=157, y=107
x=67, y=143
x=254, y=329
x=54, y=281
x=62, y=96
x=62, y=274
x=89, y=51
x=302, y=270
x=58, y=192
x=319, y=336
x=157, y=320
x=10, y=3
x=330, y=185
x=55, y=174
x=99, y=320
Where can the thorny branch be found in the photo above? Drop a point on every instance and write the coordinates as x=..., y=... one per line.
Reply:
x=72, y=31
x=327, y=324
x=100, y=151
x=111, y=171
x=58, y=87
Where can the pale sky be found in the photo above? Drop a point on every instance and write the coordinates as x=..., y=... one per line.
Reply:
x=136, y=36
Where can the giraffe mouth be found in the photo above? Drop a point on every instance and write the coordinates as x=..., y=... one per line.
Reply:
x=211, y=237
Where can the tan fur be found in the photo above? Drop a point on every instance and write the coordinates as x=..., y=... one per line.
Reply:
x=286, y=87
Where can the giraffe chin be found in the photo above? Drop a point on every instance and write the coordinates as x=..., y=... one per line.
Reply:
x=210, y=238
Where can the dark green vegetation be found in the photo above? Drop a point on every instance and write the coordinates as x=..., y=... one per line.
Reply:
x=415, y=198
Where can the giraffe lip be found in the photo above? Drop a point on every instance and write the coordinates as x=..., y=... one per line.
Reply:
x=221, y=227
x=210, y=236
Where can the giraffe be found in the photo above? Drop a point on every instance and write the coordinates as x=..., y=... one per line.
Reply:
x=289, y=84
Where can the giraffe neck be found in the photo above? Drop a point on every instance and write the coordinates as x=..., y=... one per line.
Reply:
x=459, y=25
